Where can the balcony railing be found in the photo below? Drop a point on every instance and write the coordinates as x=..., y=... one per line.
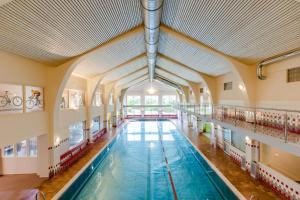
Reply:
x=282, y=124
x=149, y=111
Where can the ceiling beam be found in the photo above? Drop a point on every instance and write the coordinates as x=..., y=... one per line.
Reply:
x=125, y=76
x=111, y=71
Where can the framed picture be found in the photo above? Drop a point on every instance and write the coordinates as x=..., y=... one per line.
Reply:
x=65, y=99
x=11, y=98
x=34, y=99
x=76, y=99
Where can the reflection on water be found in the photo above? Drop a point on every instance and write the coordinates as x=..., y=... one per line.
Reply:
x=134, y=137
x=135, y=167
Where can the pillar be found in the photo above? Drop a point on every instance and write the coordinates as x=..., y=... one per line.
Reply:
x=252, y=154
x=199, y=125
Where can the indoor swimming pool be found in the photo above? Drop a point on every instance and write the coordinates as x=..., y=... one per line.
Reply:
x=148, y=160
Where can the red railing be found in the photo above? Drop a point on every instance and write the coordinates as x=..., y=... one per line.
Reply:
x=98, y=135
x=72, y=155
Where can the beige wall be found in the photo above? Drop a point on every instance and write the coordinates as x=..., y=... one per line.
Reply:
x=76, y=82
x=19, y=70
x=230, y=97
x=275, y=91
x=285, y=163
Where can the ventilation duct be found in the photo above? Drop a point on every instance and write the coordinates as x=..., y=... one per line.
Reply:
x=168, y=82
x=259, y=70
x=151, y=16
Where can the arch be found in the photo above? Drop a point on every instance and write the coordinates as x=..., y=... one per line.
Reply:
x=241, y=71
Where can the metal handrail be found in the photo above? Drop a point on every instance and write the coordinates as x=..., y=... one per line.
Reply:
x=221, y=113
x=37, y=195
x=142, y=106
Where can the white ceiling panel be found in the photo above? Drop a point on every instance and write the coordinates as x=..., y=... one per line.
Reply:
x=125, y=69
x=52, y=31
x=136, y=82
x=249, y=30
x=171, y=77
x=131, y=77
x=192, y=55
x=156, y=85
x=178, y=69
x=112, y=54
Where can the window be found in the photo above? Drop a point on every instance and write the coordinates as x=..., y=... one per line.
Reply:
x=238, y=141
x=111, y=99
x=133, y=101
x=151, y=100
x=293, y=74
x=22, y=149
x=76, y=99
x=228, y=86
x=76, y=132
x=168, y=100
x=32, y=147
x=8, y=151
x=97, y=100
x=96, y=125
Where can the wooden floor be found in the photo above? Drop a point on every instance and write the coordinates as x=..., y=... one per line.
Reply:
x=240, y=179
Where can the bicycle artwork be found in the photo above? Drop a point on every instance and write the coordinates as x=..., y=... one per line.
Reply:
x=5, y=100
x=10, y=98
x=34, y=99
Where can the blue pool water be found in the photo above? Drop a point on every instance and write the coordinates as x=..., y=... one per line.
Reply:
x=136, y=164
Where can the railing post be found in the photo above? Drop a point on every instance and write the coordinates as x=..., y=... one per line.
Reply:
x=255, y=120
x=222, y=113
x=285, y=128
x=234, y=116
x=212, y=112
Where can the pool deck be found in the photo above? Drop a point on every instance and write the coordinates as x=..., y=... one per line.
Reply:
x=52, y=186
x=246, y=185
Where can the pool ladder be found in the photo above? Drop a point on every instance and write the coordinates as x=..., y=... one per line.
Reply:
x=38, y=194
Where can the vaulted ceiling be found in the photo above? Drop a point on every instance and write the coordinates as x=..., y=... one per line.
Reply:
x=111, y=31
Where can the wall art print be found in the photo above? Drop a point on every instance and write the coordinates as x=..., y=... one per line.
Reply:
x=34, y=99
x=76, y=99
x=65, y=99
x=11, y=98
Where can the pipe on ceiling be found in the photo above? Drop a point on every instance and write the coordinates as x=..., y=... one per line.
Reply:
x=259, y=69
x=167, y=82
x=151, y=10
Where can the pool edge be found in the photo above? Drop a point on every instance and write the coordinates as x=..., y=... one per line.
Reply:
x=71, y=181
x=219, y=173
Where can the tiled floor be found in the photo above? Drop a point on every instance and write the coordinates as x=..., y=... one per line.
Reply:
x=16, y=187
x=246, y=185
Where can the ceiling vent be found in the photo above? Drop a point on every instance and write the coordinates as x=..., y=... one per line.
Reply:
x=293, y=74
x=228, y=86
